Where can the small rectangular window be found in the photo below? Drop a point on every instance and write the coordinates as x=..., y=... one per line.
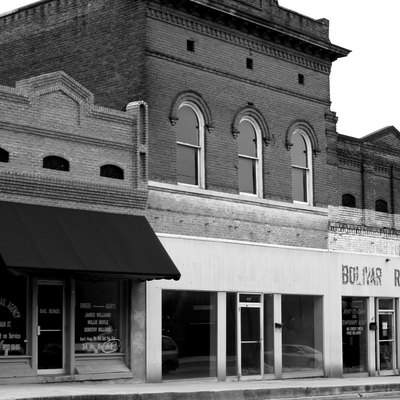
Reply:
x=301, y=79
x=190, y=45
x=249, y=63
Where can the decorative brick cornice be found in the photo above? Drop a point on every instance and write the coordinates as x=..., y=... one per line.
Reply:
x=237, y=39
x=67, y=190
x=383, y=170
x=348, y=162
x=227, y=74
x=364, y=230
x=71, y=137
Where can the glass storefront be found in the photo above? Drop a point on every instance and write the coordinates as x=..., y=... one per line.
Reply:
x=97, y=317
x=231, y=332
x=301, y=333
x=189, y=334
x=13, y=318
x=354, y=334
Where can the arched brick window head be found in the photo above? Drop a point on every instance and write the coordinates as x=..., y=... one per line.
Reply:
x=381, y=206
x=111, y=171
x=348, y=200
x=55, y=162
x=4, y=155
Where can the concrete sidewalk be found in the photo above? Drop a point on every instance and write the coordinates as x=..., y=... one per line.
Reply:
x=206, y=390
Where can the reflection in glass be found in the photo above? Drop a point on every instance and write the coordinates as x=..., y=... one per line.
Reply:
x=250, y=340
x=268, y=334
x=247, y=158
x=301, y=333
x=97, y=317
x=12, y=315
x=300, y=168
x=354, y=334
x=50, y=322
x=188, y=139
x=385, y=356
x=231, y=332
x=189, y=321
x=187, y=165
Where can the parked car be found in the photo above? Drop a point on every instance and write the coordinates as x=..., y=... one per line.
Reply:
x=297, y=356
x=170, y=354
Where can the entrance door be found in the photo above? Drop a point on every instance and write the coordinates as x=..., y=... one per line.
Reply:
x=50, y=329
x=386, y=342
x=250, y=336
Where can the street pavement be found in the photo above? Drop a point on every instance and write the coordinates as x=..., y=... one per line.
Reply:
x=312, y=388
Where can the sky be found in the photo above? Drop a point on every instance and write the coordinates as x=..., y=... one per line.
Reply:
x=365, y=85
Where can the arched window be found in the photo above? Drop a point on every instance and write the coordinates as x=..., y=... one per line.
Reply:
x=190, y=143
x=111, y=171
x=301, y=167
x=348, y=200
x=250, y=177
x=4, y=155
x=381, y=206
x=55, y=162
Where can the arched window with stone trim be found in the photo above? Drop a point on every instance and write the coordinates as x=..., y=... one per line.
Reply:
x=56, y=163
x=348, y=200
x=250, y=157
x=301, y=157
x=190, y=144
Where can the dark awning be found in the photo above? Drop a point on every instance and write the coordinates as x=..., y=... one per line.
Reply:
x=56, y=240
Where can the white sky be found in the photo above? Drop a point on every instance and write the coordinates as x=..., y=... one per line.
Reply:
x=365, y=85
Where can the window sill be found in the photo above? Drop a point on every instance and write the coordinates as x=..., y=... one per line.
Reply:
x=237, y=198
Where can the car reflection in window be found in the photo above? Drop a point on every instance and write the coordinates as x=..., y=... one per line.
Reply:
x=170, y=354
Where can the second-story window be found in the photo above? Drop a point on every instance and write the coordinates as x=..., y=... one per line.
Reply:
x=190, y=138
x=381, y=206
x=249, y=157
x=55, y=162
x=301, y=168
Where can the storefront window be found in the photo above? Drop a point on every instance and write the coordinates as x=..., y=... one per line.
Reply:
x=12, y=315
x=268, y=334
x=231, y=332
x=301, y=333
x=354, y=334
x=97, y=317
x=189, y=334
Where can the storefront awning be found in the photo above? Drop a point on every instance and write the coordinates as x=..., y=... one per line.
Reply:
x=55, y=240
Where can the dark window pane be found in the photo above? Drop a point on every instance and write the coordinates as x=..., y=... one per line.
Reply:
x=247, y=175
x=299, y=184
x=189, y=323
x=13, y=338
x=50, y=321
x=299, y=151
x=57, y=163
x=187, y=164
x=268, y=334
x=354, y=334
x=187, y=126
x=348, y=200
x=231, y=350
x=4, y=156
x=250, y=324
x=301, y=333
x=247, y=139
x=111, y=171
x=97, y=317
x=381, y=206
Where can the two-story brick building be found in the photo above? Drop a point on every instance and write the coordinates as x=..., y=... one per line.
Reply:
x=250, y=188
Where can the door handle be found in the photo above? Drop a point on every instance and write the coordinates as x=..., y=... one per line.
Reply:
x=38, y=330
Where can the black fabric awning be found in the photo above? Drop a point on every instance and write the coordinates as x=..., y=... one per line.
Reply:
x=55, y=240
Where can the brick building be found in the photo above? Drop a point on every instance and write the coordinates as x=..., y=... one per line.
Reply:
x=250, y=188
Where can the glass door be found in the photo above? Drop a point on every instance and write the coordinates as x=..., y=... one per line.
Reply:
x=250, y=336
x=50, y=328
x=386, y=342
